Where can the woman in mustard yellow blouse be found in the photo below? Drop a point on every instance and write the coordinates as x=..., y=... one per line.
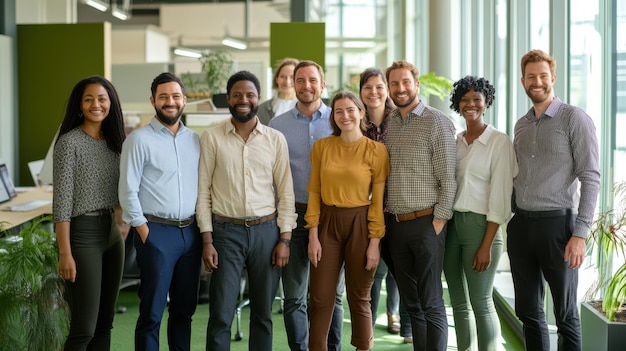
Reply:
x=345, y=223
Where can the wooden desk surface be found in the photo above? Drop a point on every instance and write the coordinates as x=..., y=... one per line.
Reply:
x=14, y=219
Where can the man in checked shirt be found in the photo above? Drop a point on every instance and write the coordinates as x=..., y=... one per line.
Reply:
x=421, y=188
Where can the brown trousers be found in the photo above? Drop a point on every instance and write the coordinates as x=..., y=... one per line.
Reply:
x=344, y=239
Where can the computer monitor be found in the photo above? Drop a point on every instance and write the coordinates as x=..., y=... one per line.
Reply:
x=6, y=181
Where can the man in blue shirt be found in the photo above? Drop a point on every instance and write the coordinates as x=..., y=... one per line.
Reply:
x=158, y=192
x=302, y=126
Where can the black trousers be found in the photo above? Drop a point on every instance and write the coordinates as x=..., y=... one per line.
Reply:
x=98, y=250
x=536, y=248
x=418, y=263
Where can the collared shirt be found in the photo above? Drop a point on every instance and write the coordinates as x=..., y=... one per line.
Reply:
x=422, y=156
x=556, y=153
x=301, y=133
x=159, y=173
x=240, y=179
x=484, y=175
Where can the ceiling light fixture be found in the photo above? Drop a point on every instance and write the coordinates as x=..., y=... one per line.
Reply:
x=97, y=4
x=234, y=43
x=119, y=13
x=187, y=52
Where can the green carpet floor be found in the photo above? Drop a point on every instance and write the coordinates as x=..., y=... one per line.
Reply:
x=124, y=326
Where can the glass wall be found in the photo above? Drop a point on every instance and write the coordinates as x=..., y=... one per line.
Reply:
x=619, y=93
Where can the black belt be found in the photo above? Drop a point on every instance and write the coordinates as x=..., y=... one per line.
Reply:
x=248, y=222
x=301, y=206
x=180, y=224
x=544, y=214
x=100, y=212
x=413, y=215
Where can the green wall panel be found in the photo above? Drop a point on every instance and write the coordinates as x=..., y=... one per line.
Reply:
x=51, y=59
x=303, y=41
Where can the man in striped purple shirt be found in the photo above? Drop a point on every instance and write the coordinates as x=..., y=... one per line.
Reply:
x=555, y=194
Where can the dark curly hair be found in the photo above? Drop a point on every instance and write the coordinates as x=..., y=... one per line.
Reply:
x=463, y=85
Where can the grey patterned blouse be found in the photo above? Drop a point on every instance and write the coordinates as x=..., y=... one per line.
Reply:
x=86, y=174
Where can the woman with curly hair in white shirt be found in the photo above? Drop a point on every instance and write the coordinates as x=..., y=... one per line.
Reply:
x=485, y=169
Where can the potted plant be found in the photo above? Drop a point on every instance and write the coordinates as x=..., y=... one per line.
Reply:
x=195, y=88
x=34, y=315
x=604, y=320
x=217, y=67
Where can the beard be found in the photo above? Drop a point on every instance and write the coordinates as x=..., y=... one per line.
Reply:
x=243, y=118
x=170, y=121
x=537, y=99
x=412, y=98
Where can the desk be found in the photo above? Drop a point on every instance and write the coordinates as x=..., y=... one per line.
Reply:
x=15, y=219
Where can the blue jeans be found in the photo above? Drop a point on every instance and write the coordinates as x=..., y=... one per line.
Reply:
x=239, y=246
x=476, y=322
x=536, y=248
x=169, y=263
x=98, y=251
x=296, y=287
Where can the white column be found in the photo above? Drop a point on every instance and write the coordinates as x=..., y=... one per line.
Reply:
x=443, y=49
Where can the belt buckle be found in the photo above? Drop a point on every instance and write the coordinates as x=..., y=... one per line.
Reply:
x=396, y=215
x=247, y=222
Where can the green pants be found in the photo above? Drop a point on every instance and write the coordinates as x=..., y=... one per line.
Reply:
x=476, y=322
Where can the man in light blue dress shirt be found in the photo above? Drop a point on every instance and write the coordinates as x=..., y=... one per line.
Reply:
x=302, y=126
x=158, y=192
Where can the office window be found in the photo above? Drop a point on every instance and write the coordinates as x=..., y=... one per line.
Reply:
x=585, y=60
x=356, y=31
x=540, y=25
x=619, y=93
x=501, y=72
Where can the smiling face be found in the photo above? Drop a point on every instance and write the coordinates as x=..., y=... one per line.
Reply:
x=95, y=103
x=374, y=92
x=347, y=115
x=403, y=88
x=309, y=85
x=168, y=102
x=472, y=105
x=285, y=79
x=538, y=81
x=243, y=101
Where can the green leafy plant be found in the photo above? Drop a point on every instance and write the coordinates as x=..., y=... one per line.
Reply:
x=194, y=88
x=608, y=236
x=34, y=315
x=217, y=67
x=432, y=84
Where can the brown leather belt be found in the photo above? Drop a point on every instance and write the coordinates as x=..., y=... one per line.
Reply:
x=301, y=206
x=180, y=224
x=413, y=215
x=248, y=222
